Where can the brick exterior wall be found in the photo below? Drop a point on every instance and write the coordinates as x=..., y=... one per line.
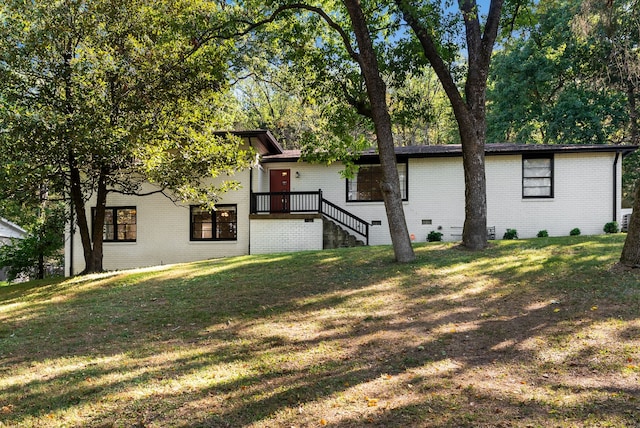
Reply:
x=583, y=195
x=163, y=235
x=273, y=235
x=583, y=198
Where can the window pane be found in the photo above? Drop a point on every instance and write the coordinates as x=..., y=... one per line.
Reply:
x=107, y=235
x=126, y=222
x=201, y=223
x=226, y=223
x=108, y=229
x=537, y=182
x=366, y=185
x=536, y=191
x=126, y=232
x=402, y=174
x=352, y=190
x=537, y=174
x=537, y=163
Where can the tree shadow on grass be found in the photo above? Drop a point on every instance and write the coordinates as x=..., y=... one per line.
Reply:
x=310, y=337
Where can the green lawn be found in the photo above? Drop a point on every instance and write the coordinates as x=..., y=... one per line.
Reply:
x=542, y=332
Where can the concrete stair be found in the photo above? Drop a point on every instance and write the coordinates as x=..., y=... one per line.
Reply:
x=334, y=236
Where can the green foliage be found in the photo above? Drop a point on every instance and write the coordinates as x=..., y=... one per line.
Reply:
x=42, y=244
x=510, y=234
x=106, y=95
x=611, y=227
x=120, y=77
x=571, y=76
x=421, y=112
x=542, y=234
x=434, y=236
x=545, y=86
x=310, y=90
x=574, y=232
x=630, y=178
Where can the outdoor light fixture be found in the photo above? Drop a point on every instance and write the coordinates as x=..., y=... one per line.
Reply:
x=297, y=174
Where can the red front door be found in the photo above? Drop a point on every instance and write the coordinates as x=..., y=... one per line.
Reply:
x=279, y=183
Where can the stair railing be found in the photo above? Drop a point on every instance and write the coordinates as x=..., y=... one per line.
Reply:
x=305, y=202
x=345, y=218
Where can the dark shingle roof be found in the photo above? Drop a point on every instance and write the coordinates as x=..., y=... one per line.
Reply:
x=261, y=139
x=454, y=150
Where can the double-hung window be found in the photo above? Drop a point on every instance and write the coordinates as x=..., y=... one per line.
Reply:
x=220, y=224
x=120, y=224
x=537, y=176
x=365, y=186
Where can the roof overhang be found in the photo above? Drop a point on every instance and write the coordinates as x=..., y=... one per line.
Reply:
x=10, y=225
x=262, y=140
x=455, y=150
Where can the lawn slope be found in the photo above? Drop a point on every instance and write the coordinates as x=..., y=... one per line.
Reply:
x=540, y=332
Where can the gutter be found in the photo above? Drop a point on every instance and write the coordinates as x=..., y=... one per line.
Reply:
x=250, y=202
x=71, y=230
x=615, y=187
x=626, y=151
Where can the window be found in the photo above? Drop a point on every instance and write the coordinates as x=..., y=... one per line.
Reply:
x=120, y=224
x=217, y=225
x=537, y=176
x=365, y=186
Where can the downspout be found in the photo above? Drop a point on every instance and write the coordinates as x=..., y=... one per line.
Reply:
x=250, y=201
x=71, y=229
x=615, y=187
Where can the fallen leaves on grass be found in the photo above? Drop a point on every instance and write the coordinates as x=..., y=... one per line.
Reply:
x=371, y=402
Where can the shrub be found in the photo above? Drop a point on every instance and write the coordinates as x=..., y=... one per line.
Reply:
x=543, y=234
x=510, y=234
x=434, y=236
x=23, y=257
x=611, y=227
x=574, y=232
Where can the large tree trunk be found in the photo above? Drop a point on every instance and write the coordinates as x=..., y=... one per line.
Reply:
x=468, y=110
x=376, y=90
x=631, y=251
x=91, y=240
x=474, y=232
x=43, y=196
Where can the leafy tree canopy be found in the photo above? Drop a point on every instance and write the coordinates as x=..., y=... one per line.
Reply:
x=102, y=96
x=546, y=86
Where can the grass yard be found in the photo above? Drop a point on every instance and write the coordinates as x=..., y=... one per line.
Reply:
x=528, y=333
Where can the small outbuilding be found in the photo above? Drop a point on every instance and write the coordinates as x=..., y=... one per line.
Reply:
x=9, y=231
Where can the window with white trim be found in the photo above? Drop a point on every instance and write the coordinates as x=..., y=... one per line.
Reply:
x=537, y=176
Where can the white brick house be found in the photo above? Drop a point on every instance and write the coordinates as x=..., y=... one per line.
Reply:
x=283, y=200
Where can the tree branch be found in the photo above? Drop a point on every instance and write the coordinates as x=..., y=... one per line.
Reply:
x=433, y=56
x=491, y=29
x=131, y=193
x=362, y=107
x=212, y=34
